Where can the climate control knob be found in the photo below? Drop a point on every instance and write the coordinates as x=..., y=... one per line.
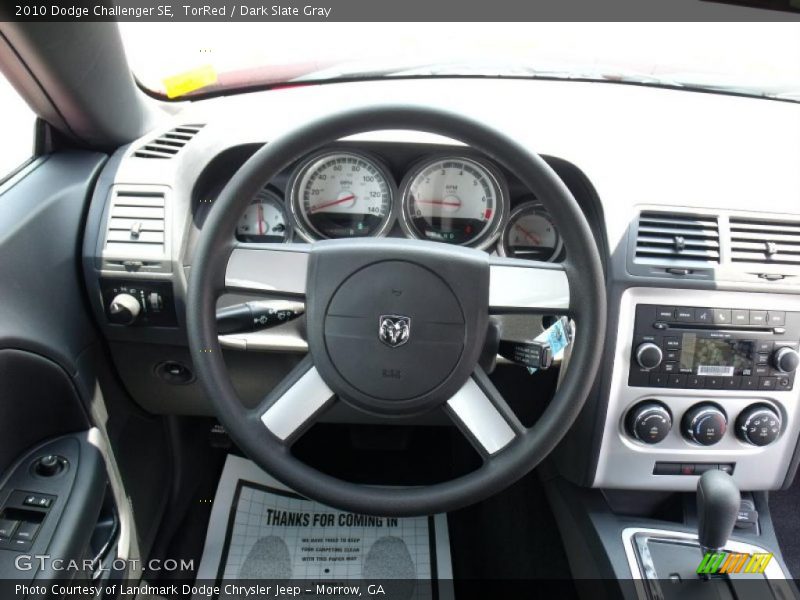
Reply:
x=123, y=309
x=648, y=355
x=704, y=424
x=759, y=425
x=649, y=422
x=786, y=360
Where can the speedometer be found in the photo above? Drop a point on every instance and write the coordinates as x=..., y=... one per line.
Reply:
x=338, y=194
x=454, y=200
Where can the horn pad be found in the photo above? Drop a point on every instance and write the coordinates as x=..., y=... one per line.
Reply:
x=394, y=331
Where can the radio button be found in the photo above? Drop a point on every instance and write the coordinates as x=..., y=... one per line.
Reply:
x=749, y=383
x=672, y=342
x=660, y=325
x=758, y=317
x=722, y=316
x=684, y=314
x=714, y=382
x=776, y=318
x=762, y=370
x=732, y=383
x=658, y=379
x=762, y=346
x=670, y=367
x=676, y=381
x=740, y=317
x=767, y=383
x=703, y=315
x=695, y=382
x=665, y=313
x=762, y=358
x=672, y=354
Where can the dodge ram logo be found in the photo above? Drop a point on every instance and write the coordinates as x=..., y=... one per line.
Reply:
x=394, y=330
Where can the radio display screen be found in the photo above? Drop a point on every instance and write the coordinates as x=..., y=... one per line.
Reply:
x=715, y=357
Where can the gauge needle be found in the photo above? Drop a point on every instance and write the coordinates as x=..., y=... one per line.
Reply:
x=439, y=202
x=317, y=207
x=260, y=219
x=528, y=234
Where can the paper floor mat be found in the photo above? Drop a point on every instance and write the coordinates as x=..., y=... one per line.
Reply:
x=261, y=530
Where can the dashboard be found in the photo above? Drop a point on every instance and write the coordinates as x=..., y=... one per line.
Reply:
x=692, y=217
x=450, y=195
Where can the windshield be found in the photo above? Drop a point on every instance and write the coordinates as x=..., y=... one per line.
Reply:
x=184, y=60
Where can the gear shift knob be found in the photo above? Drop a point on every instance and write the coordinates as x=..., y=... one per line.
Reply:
x=718, y=502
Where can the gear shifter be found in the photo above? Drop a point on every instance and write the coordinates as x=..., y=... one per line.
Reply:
x=718, y=502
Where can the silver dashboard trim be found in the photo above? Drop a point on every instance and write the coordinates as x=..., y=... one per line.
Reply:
x=297, y=405
x=626, y=464
x=480, y=417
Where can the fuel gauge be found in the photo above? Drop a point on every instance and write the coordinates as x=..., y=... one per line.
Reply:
x=530, y=234
x=264, y=220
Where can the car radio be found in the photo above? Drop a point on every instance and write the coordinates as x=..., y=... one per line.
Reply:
x=714, y=348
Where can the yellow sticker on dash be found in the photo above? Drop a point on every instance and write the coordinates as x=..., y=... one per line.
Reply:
x=179, y=85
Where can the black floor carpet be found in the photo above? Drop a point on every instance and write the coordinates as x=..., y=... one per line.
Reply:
x=784, y=506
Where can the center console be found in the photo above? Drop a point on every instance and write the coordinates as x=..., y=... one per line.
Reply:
x=701, y=380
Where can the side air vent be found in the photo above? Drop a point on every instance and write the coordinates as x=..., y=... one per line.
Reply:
x=136, y=223
x=670, y=238
x=168, y=144
x=764, y=242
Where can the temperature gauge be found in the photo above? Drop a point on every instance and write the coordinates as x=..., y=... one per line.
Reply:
x=264, y=220
x=530, y=234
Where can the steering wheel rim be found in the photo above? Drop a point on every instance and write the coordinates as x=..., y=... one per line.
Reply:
x=587, y=306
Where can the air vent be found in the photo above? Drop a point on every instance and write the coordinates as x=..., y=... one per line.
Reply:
x=136, y=225
x=669, y=238
x=170, y=143
x=764, y=242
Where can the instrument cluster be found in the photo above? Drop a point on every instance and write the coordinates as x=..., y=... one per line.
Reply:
x=448, y=198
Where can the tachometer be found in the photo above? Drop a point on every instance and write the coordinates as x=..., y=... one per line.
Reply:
x=264, y=220
x=530, y=234
x=454, y=200
x=339, y=194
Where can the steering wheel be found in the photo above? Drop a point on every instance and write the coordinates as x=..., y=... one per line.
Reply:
x=437, y=299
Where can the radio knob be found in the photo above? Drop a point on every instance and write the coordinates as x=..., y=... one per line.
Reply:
x=649, y=422
x=786, y=360
x=648, y=355
x=759, y=425
x=123, y=309
x=704, y=424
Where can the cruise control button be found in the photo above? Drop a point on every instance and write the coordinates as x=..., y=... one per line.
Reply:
x=740, y=317
x=776, y=318
x=722, y=316
x=758, y=317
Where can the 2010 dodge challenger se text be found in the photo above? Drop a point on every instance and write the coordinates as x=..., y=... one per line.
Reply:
x=403, y=301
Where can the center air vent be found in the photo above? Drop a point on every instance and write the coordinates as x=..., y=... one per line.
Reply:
x=168, y=144
x=670, y=238
x=764, y=242
x=136, y=223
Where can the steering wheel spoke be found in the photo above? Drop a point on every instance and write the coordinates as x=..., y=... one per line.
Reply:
x=527, y=286
x=483, y=415
x=274, y=269
x=291, y=408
